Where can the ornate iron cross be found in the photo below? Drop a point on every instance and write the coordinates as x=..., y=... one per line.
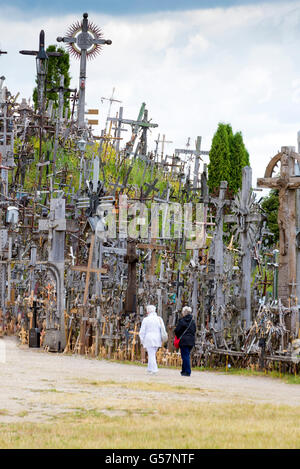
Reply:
x=84, y=41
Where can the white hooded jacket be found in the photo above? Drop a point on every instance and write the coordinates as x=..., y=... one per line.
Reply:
x=150, y=332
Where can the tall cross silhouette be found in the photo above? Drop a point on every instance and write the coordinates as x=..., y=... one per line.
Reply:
x=84, y=40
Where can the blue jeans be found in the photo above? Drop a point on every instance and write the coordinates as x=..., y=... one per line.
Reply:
x=186, y=361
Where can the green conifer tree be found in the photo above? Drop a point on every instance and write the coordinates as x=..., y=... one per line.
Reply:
x=56, y=66
x=219, y=158
x=227, y=158
x=270, y=205
x=238, y=160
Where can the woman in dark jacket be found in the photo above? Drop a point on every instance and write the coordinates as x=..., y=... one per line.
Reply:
x=186, y=330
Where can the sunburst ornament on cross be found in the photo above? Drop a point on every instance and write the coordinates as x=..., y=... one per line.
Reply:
x=87, y=40
x=84, y=41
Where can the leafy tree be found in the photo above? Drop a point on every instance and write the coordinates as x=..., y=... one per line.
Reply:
x=270, y=205
x=56, y=66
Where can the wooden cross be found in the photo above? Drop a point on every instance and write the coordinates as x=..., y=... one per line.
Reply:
x=175, y=159
x=30, y=299
x=131, y=258
x=151, y=188
x=88, y=269
x=49, y=289
x=265, y=284
x=141, y=122
x=23, y=336
x=179, y=284
x=287, y=184
x=154, y=247
x=134, y=334
x=163, y=142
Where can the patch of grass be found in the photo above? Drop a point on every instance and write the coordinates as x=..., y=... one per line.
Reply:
x=290, y=379
x=47, y=390
x=125, y=362
x=143, y=386
x=23, y=413
x=185, y=425
x=139, y=363
x=286, y=377
x=4, y=412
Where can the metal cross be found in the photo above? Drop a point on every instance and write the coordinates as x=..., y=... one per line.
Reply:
x=84, y=42
x=42, y=58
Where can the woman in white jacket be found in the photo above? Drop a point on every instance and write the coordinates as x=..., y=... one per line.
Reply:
x=150, y=334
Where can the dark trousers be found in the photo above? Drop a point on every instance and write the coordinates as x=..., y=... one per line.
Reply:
x=186, y=361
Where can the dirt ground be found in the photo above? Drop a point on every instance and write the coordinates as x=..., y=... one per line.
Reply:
x=36, y=385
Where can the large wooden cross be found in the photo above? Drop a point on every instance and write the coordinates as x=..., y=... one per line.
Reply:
x=131, y=258
x=88, y=269
x=287, y=184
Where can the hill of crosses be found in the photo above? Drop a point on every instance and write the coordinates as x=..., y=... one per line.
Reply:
x=95, y=226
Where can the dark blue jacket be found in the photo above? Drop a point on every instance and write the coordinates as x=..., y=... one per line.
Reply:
x=188, y=339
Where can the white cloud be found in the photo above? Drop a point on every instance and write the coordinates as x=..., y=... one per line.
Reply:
x=193, y=69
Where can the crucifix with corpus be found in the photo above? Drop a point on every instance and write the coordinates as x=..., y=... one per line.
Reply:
x=287, y=184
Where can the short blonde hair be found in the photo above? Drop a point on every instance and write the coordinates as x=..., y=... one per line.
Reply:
x=186, y=310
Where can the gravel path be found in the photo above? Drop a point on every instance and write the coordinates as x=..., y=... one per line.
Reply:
x=36, y=385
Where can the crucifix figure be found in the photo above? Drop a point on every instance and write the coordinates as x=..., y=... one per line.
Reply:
x=287, y=184
x=84, y=41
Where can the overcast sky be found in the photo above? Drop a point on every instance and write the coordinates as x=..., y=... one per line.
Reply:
x=194, y=64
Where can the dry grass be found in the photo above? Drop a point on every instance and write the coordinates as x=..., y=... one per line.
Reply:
x=162, y=425
x=143, y=386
